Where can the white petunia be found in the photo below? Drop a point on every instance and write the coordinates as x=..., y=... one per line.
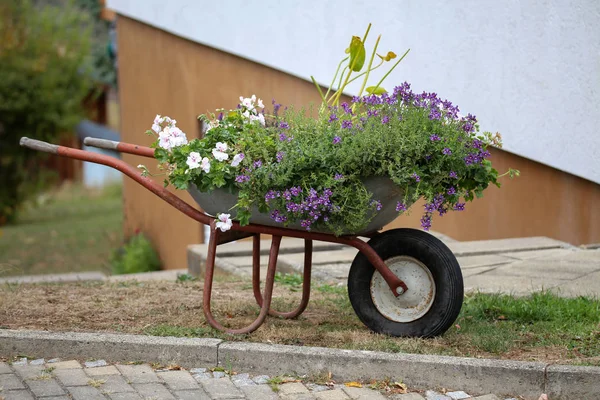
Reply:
x=224, y=222
x=261, y=119
x=171, y=137
x=193, y=160
x=219, y=155
x=237, y=159
x=260, y=103
x=220, y=146
x=205, y=165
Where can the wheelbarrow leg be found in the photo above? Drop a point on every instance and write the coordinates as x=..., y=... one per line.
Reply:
x=305, y=283
x=208, y=280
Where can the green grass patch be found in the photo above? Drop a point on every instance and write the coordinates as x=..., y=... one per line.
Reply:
x=70, y=230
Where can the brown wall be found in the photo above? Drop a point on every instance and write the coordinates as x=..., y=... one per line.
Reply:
x=163, y=74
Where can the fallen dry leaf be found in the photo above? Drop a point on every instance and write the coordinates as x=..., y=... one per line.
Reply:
x=543, y=397
x=401, y=386
x=353, y=384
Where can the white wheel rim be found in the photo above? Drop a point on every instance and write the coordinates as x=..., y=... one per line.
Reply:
x=414, y=303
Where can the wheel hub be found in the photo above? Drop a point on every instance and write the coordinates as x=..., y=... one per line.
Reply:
x=414, y=303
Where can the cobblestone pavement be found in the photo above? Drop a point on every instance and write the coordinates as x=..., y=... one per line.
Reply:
x=61, y=380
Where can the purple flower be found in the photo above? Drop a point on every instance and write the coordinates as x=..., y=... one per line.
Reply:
x=355, y=99
x=295, y=191
x=337, y=139
x=276, y=107
x=416, y=177
x=332, y=118
x=426, y=221
x=477, y=144
x=401, y=207
x=284, y=125
x=346, y=108
x=257, y=164
x=434, y=138
x=278, y=217
x=451, y=191
x=242, y=178
x=459, y=206
x=385, y=120
x=347, y=124
x=220, y=117
x=377, y=204
x=282, y=137
x=453, y=175
x=372, y=113
x=447, y=151
x=337, y=177
x=280, y=155
x=271, y=194
x=305, y=223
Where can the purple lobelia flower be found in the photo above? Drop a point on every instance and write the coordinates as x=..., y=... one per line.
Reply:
x=377, y=204
x=280, y=155
x=400, y=207
x=451, y=191
x=453, y=174
x=242, y=178
x=385, y=120
x=284, y=125
x=434, y=138
x=336, y=139
x=257, y=164
x=459, y=206
x=426, y=221
x=447, y=151
x=416, y=177
x=332, y=118
x=347, y=124
x=338, y=177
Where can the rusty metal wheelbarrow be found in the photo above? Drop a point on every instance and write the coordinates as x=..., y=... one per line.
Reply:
x=403, y=282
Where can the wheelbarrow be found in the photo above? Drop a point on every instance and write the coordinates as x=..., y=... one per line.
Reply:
x=403, y=282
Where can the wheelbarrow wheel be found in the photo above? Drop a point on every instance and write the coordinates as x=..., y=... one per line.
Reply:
x=432, y=274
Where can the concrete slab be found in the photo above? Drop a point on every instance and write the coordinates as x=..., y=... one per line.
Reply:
x=505, y=245
x=569, y=382
x=493, y=282
x=466, y=262
x=567, y=268
x=544, y=253
x=166, y=275
x=588, y=285
x=477, y=270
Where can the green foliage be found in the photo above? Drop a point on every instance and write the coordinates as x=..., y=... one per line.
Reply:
x=293, y=281
x=43, y=65
x=136, y=256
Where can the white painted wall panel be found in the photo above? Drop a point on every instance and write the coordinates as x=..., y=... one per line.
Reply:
x=528, y=69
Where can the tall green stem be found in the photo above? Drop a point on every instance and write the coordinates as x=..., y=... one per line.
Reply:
x=391, y=69
x=369, y=67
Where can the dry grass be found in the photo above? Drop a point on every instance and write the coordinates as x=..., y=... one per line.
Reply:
x=175, y=309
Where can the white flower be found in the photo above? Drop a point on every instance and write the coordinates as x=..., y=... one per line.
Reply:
x=219, y=155
x=193, y=160
x=205, y=165
x=158, y=120
x=253, y=98
x=260, y=103
x=224, y=222
x=141, y=166
x=237, y=159
x=171, y=137
x=156, y=128
x=248, y=104
x=221, y=146
x=261, y=119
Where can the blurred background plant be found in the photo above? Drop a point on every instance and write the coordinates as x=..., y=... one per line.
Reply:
x=53, y=56
x=137, y=255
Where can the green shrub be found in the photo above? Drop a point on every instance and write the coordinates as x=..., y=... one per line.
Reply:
x=45, y=69
x=137, y=255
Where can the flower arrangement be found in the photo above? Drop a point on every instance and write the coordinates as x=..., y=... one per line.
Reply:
x=307, y=168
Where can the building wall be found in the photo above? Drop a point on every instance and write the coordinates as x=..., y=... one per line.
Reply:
x=160, y=73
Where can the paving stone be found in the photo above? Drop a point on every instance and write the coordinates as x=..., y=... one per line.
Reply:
x=432, y=395
x=259, y=392
x=242, y=380
x=53, y=360
x=363, y=394
x=11, y=381
x=407, y=396
x=124, y=396
x=313, y=387
x=138, y=373
x=292, y=388
x=116, y=384
x=198, y=394
x=221, y=388
x=29, y=371
x=153, y=390
x=297, y=396
x=102, y=371
x=4, y=368
x=20, y=361
x=72, y=364
x=204, y=375
x=458, y=395
x=72, y=377
x=39, y=361
x=86, y=393
x=486, y=397
x=336, y=394
x=468, y=262
x=219, y=374
x=45, y=387
x=17, y=395
x=57, y=398
x=95, y=364
x=261, y=379
x=179, y=380
x=197, y=370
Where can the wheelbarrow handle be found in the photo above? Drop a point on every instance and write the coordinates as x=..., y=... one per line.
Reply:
x=100, y=143
x=38, y=145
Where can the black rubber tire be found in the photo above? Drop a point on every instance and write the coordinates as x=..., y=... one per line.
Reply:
x=440, y=261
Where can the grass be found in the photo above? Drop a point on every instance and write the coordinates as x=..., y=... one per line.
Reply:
x=69, y=230
x=541, y=327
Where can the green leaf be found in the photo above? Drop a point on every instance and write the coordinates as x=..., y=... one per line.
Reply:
x=375, y=90
x=357, y=54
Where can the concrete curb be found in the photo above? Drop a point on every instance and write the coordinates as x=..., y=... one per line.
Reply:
x=477, y=376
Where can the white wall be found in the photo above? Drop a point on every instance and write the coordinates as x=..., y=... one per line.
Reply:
x=528, y=69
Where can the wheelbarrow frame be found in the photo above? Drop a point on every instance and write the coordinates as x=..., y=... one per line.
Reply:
x=396, y=285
